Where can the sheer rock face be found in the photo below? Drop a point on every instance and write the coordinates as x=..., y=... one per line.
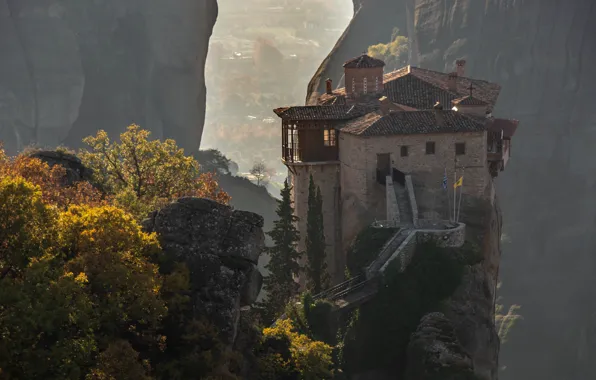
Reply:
x=71, y=67
x=221, y=248
x=434, y=351
x=543, y=53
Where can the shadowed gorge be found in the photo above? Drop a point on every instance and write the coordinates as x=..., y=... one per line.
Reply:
x=543, y=55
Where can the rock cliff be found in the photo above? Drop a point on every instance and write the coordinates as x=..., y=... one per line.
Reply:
x=221, y=248
x=71, y=67
x=543, y=54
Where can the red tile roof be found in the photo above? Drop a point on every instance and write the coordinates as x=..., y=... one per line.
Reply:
x=334, y=112
x=469, y=101
x=421, y=89
x=363, y=61
x=413, y=122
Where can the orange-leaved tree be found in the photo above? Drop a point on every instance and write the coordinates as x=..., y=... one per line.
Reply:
x=51, y=181
x=144, y=174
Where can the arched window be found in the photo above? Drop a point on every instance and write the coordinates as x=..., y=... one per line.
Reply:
x=353, y=85
x=364, y=85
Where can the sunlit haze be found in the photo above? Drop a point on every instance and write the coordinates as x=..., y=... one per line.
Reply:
x=246, y=77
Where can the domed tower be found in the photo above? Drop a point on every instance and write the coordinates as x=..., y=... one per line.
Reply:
x=363, y=76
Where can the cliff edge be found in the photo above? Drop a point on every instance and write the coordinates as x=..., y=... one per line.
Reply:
x=543, y=55
x=70, y=68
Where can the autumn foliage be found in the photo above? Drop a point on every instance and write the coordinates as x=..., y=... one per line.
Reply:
x=83, y=293
x=144, y=174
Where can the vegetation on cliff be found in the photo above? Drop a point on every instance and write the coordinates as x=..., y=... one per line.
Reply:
x=143, y=175
x=85, y=293
x=366, y=248
x=283, y=265
x=377, y=335
x=394, y=53
x=316, y=270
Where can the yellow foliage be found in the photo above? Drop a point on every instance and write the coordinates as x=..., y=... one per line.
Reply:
x=145, y=174
x=394, y=53
x=311, y=358
x=26, y=225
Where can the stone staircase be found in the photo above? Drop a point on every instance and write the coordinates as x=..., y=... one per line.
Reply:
x=403, y=204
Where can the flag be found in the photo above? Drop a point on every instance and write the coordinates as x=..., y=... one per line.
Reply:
x=445, y=180
x=459, y=182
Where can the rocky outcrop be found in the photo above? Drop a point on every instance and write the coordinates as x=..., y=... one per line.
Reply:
x=70, y=68
x=434, y=352
x=221, y=248
x=543, y=55
x=75, y=170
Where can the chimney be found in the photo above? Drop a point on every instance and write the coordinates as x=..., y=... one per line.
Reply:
x=461, y=67
x=452, y=82
x=329, y=86
x=438, y=108
x=385, y=105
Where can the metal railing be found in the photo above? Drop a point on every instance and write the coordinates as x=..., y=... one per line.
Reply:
x=326, y=294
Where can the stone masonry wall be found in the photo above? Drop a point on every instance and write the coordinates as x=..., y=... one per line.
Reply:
x=430, y=168
x=356, y=213
x=364, y=200
x=391, y=199
x=412, y=196
x=326, y=176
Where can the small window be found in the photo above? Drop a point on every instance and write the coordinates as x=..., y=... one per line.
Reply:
x=329, y=137
x=404, y=151
x=377, y=86
x=365, y=85
x=460, y=149
x=353, y=85
x=430, y=147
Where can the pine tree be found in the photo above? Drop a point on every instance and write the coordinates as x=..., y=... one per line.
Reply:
x=318, y=278
x=283, y=264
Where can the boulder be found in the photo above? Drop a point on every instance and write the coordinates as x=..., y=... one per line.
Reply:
x=221, y=247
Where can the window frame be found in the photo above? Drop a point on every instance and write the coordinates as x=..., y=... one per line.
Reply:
x=403, y=151
x=329, y=137
x=462, y=149
x=432, y=146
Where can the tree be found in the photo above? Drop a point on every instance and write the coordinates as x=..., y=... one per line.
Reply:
x=394, y=53
x=261, y=173
x=291, y=352
x=51, y=182
x=144, y=174
x=315, y=240
x=505, y=322
x=212, y=160
x=283, y=265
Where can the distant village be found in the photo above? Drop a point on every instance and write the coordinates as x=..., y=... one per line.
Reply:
x=252, y=68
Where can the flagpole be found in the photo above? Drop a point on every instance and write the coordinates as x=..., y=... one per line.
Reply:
x=454, y=182
x=446, y=187
x=461, y=193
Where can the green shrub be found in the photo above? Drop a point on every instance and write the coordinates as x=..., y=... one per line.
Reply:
x=366, y=248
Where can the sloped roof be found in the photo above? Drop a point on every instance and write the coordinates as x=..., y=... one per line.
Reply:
x=333, y=112
x=412, y=122
x=421, y=89
x=363, y=61
x=469, y=100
